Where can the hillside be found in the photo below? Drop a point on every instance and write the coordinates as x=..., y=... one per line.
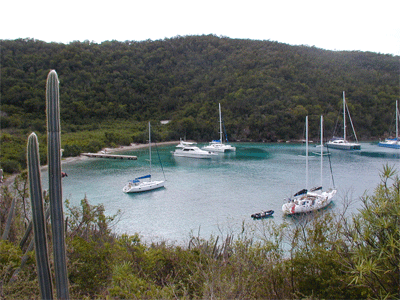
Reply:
x=265, y=88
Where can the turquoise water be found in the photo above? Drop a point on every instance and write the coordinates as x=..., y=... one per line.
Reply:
x=216, y=196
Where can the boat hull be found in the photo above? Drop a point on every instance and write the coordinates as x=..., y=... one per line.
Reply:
x=308, y=203
x=219, y=148
x=344, y=146
x=193, y=153
x=263, y=214
x=143, y=186
x=390, y=144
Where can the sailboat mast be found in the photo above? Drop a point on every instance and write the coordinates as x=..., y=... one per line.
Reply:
x=307, y=152
x=344, y=117
x=397, y=119
x=322, y=144
x=220, y=123
x=150, y=148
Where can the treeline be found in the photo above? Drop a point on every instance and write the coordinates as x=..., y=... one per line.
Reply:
x=322, y=255
x=265, y=88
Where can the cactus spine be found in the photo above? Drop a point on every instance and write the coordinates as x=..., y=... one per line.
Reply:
x=38, y=219
x=55, y=187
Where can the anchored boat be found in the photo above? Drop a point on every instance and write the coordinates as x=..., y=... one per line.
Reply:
x=137, y=185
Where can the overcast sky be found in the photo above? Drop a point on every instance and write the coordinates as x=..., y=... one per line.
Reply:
x=335, y=25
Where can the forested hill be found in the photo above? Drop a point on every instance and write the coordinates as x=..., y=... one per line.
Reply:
x=265, y=88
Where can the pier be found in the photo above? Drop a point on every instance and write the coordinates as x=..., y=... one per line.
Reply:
x=111, y=156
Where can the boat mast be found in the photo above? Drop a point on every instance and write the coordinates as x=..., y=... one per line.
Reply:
x=220, y=123
x=397, y=119
x=150, y=148
x=322, y=144
x=307, y=152
x=344, y=117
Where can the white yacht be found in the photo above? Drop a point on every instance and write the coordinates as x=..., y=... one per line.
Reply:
x=341, y=142
x=218, y=145
x=188, y=149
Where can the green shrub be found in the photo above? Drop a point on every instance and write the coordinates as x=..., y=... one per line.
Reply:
x=89, y=266
x=71, y=150
x=372, y=254
x=11, y=166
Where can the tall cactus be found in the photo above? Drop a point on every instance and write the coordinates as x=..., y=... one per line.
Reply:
x=55, y=187
x=38, y=219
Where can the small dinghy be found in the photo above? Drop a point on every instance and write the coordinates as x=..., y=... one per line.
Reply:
x=263, y=214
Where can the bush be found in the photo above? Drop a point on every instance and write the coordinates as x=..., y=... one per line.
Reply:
x=372, y=254
x=11, y=166
x=72, y=150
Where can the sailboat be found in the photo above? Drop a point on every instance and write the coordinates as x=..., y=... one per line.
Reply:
x=218, y=145
x=306, y=200
x=343, y=143
x=137, y=185
x=393, y=142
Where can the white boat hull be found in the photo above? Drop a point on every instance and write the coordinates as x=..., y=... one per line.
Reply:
x=343, y=145
x=219, y=148
x=308, y=203
x=179, y=153
x=390, y=143
x=183, y=150
x=143, y=186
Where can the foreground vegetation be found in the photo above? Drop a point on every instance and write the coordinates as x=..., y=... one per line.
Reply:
x=109, y=91
x=322, y=255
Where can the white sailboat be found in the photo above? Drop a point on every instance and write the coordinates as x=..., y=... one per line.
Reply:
x=343, y=143
x=306, y=201
x=137, y=186
x=393, y=142
x=218, y=145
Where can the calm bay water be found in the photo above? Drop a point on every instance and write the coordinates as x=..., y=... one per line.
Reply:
x=216, y=196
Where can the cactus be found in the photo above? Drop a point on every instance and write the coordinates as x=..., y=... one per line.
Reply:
x=27, y=233
x=29, y=229
x=38, y=219
x=9, y=220
x=55, y=187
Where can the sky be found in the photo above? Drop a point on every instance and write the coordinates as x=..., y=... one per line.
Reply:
x=333, y=25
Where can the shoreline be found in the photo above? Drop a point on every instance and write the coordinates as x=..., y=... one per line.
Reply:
x=7, y=181
x=131, y=147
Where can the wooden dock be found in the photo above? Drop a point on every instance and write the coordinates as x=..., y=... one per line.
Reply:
x=111, y=156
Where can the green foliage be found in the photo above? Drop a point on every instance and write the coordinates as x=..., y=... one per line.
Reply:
x=25, y=285
x=10, y=257
x=128, y=285
x=89, y=266
x=89, y=221
x=264, y=88
x=374, y=239
x=316, y=256
x=315, y=264
x=90, y=248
